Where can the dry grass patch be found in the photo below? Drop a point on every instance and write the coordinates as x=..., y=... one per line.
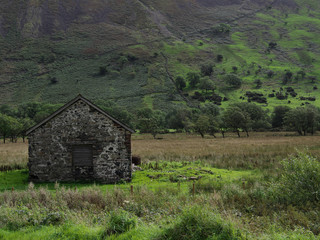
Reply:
x=260, y=150
x=13, y=154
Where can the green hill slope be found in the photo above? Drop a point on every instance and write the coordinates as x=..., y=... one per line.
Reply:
x=131, y=52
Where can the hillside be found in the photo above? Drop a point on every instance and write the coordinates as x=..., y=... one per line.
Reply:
x=131, y=52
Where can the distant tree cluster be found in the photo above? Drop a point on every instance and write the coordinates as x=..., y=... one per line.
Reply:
x=208, y=119
x=15, y=121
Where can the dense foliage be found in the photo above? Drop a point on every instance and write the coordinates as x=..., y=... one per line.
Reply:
x=208, y=118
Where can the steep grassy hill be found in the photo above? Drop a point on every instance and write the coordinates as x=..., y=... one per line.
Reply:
x=131, y=52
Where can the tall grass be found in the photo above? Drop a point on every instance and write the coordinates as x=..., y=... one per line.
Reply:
x=13, y=156
x=260, y=150
x=252, y=203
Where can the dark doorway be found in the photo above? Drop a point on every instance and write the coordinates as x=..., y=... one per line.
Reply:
x=82, y=160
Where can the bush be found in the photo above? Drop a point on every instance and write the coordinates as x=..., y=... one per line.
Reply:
x=233, y=81
x=120, y=221
x=219, y=58
x=180, y=83
x=221, y=28
x=287, y=77
x=193, y=78
x=53, y=80
x=102, y=71
x=300, y=180
x=200, y=223
x=207, y=69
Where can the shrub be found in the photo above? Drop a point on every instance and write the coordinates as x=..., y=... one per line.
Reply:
x=53, y=80
x=120, y=221
x=200, y=223
x=193, y=78
x=233, y=81
x=219, y=58
x=180, y=82
x=258, y=82
x=102, y=71
x=287, y=77
x=300, y=180
x=234, y=69
x=272, y=45
x=270, y=74
x=221, y=28
x=207, y=69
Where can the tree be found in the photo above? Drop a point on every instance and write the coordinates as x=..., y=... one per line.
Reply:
x=301, y=75
x=236, y=119
x=270, y=74
x=287, y=77
x=178, y=117
x=15, y=129
x=202, y=125
x=302, y=119
x=102, y=71
x=117, y=112
x=193, y=78
x=8, y=110
x=180, y=83
x=26, y=123
x=313, y=79
x=28, y=110
x=53, y=80
x=150, y=121
x=233, y=81
x=234, y=69
x=219, y=58
x=222, y=126
x=44, y=111
x=221, y=28
x=258, y=117
x=207, y=69
x=212, y=111
x=206, y=84
x=6, y=126
x=258, y=82
x=277, y=117
x=272, y=45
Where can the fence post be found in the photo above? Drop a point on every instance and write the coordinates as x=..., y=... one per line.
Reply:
x=193, y=189
x=131, y=189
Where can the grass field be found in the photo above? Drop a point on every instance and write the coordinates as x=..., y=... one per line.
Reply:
x=238, y=193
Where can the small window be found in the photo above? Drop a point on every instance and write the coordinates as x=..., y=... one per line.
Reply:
x=82, y=155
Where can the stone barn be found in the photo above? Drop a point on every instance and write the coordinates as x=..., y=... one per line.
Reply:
x=80, y=142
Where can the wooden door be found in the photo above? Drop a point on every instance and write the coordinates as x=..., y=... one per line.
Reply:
x=82, y=159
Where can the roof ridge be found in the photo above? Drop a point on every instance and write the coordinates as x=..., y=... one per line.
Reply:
x=71, y=102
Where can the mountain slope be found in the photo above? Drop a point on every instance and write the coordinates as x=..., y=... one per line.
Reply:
x=53, y=50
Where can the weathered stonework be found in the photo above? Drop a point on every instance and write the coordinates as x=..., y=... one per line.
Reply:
x=80, y=123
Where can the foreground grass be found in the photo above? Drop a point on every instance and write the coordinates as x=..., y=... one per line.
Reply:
x=227, y=201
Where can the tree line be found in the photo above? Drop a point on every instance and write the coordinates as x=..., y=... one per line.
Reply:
x=208, y=119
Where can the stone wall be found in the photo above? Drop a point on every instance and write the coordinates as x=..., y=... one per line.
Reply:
x=50, y=147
